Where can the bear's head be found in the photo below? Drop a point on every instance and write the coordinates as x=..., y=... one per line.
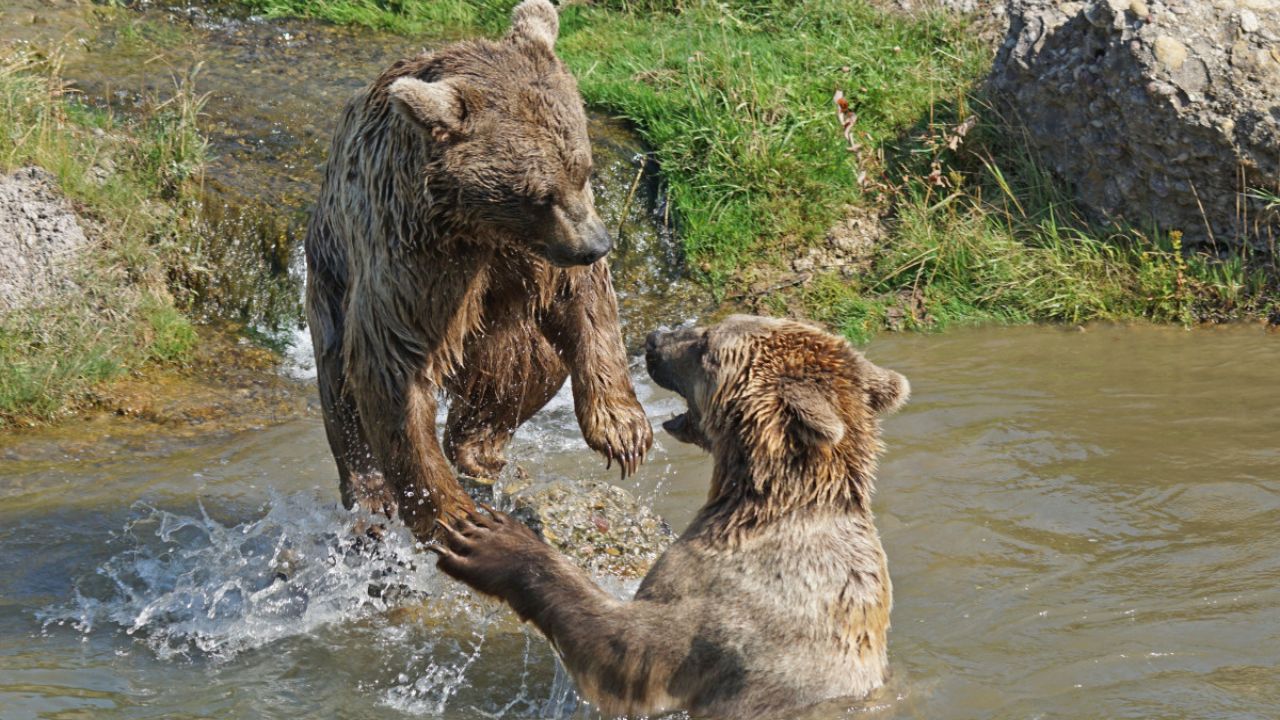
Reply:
x=509, y=137
x=785, y=401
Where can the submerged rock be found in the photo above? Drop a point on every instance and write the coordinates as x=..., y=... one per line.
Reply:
x=40, y=239
x=603, y=527
x=1155, y=112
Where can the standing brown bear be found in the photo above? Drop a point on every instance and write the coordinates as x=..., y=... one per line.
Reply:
x=455, y=246
x=777, y=596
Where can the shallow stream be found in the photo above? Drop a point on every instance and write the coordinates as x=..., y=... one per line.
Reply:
x=1080, y=523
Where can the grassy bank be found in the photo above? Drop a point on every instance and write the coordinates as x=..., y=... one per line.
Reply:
x=737, y=100
x=132, y=182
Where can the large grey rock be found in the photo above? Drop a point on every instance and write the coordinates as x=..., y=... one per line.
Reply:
x=1164, y=112
x=40, y=239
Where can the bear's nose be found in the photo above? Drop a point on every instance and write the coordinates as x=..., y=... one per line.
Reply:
x=651, y=342
x=598, y=242
x=652, y=358
x=590, y=256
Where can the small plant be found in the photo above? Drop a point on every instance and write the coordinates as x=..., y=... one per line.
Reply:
x=171, y=336
x=1272, y=199
x=174, y=150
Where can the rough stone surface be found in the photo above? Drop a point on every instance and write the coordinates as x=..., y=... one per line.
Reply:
x=40, y=237
x=956, y=6
x=1154, y=111
x=850, y=245
x=599, y=525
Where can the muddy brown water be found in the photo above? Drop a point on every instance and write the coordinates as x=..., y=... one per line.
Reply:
x=1079, y=523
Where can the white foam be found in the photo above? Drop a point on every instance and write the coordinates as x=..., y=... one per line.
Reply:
x=185, y=584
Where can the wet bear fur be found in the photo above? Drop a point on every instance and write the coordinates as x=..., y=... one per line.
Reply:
x=455, y=247
x=777, y=596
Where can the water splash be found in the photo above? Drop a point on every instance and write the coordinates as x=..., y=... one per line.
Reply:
x=477, y=674
x=427, y=690
x=199, y=586
x=187, y=584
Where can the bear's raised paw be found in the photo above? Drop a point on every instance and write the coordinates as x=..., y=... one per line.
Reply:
x=621, y=434
x=489, y=551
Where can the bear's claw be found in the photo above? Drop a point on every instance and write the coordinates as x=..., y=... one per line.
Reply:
x=622, y=435
x=487, y=551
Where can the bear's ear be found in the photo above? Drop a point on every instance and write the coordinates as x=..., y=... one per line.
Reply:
x=436, y=106
x=536, y=21
x=886, y=390
x=816, y=417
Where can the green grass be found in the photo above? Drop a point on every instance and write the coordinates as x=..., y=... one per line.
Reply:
x=122, y=316
x=171, y=337
x=1004, y=244
x=146, y=35
x=436, y=18
x=739, y=107
x=736, y=99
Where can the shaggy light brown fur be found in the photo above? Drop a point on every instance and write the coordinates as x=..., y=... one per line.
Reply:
x=778, y=594
x=455, y=246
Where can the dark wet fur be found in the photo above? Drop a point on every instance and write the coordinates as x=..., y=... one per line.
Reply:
x=441, y=256
x=777, y=596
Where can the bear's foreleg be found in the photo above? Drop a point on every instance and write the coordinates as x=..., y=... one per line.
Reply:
x=399, y=414
x=633, y=658
x=507, y=374
x=582, y=325
x=360, y=481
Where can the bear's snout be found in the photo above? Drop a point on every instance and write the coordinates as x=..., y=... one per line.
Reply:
x=671, y=357
x=597, y=240
x=654, y=360
x=653, y=357
x=578, y=242
x=651, y=342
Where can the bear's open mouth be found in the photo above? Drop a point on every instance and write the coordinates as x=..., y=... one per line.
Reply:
x=677, y=425
x=687, y=428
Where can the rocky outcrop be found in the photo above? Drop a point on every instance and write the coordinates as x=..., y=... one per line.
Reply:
x=1154, y=112
x=40, y=238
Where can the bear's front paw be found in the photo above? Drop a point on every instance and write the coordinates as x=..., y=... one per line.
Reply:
x=622, y=434
x=489, y=551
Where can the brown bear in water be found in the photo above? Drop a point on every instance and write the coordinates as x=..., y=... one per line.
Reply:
x=778, y=595
x=455, y=246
